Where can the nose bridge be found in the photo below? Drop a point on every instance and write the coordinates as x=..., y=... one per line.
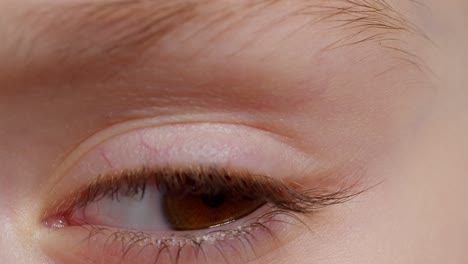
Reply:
x=9, y=239
x=16, y=246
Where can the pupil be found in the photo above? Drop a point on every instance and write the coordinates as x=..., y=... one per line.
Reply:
x=213, y=201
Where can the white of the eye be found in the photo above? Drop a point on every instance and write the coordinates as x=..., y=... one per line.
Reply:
x=143, y=214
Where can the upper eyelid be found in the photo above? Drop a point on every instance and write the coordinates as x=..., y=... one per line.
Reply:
x=130, y=126
x=86, y=162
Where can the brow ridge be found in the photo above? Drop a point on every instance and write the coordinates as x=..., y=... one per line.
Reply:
x=119, y=28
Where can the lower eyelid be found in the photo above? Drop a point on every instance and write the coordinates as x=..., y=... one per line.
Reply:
x=263, y=234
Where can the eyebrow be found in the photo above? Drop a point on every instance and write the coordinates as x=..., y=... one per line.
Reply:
x=129, y=27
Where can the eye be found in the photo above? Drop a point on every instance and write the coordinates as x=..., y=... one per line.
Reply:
x=144, y=206
x=157, y=196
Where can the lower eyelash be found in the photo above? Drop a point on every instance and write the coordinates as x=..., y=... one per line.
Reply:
x=239, y=243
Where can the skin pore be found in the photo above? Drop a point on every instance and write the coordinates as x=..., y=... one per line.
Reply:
x=325, y=93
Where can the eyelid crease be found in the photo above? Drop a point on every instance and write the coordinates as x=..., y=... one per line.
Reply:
x=196, y=180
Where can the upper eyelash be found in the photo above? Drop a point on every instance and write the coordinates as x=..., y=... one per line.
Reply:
x=196, y=180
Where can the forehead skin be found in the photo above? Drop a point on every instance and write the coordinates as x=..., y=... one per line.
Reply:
x=362, y=83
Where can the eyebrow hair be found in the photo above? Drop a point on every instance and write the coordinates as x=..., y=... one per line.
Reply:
x=362, y=16
x=119, y=28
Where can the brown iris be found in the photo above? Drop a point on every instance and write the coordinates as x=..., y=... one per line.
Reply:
x=192, y=212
